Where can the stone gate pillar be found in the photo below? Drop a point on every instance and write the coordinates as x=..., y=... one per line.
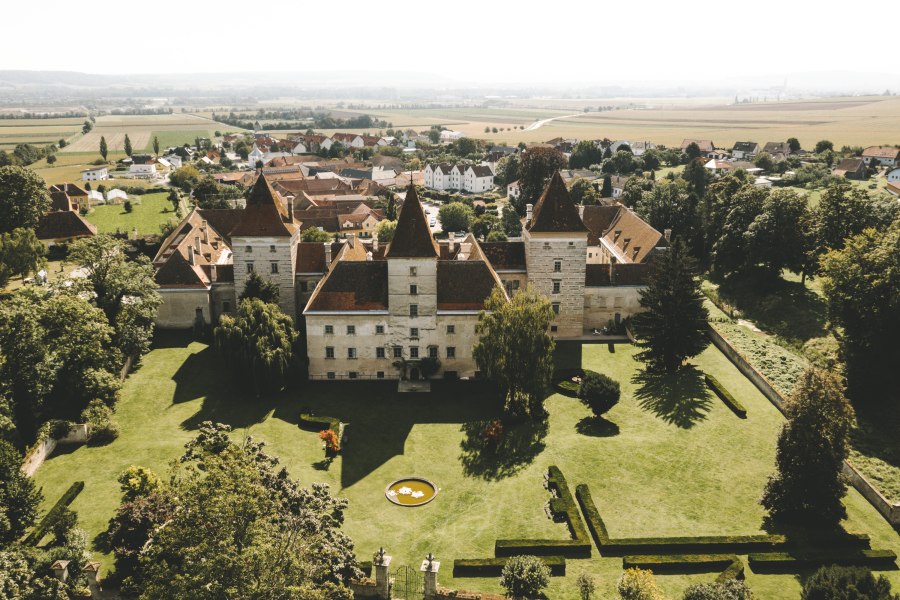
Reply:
x=381, y=564
x=430, y=569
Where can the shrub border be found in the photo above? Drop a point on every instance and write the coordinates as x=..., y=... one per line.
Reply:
x=492, y=567
x=681, y=563
x=773, y=562
x=49, y=520
x=726, y=397
x=562, y=506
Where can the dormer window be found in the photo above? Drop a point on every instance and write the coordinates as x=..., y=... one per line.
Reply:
x=616, y=235
x=625, y=245
x=635, y=251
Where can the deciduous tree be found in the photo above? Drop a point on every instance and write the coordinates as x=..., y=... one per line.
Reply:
x=536, y=167
x=21, y=253
x=257, y=342
x=260, y=288
x=455, y=216
x=23, y=198
x=862, y=288
x=584, y=154
x=128, y=149
x=807, y=487
x=512, y=223
x=314, y=234
x=123, y=287
x=19, y=497
x=384, y=231
x=846, y=583
x=515, y=350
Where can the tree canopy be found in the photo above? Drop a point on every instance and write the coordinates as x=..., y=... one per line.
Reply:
x=672, y=327
x=384, y=231
x=536, y=167
x=261, y=288
x=514, y=348
x=123, y=287
x=456, y=216
x=21, y=253
x=807, y=487
x=314, y=234
x=23, y=198
x=257, y=342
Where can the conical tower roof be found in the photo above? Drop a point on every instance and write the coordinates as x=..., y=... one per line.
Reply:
x=265, y=214
x=555, y=212
x=412, y=238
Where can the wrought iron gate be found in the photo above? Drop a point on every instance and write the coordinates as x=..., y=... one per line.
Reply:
x=407, y=584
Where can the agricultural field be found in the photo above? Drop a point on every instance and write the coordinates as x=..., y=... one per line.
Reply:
x=171, y=129
x=845, y=121
x=37, y=132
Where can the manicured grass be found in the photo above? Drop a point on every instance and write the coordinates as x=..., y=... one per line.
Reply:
x=149, y=211
x=676, y=461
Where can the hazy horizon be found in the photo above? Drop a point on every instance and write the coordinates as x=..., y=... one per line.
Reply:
x=662, y=44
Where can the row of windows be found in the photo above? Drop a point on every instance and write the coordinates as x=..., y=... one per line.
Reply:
x=379, y=329
x=249, y=249
x=396, y=351
x=273, y=266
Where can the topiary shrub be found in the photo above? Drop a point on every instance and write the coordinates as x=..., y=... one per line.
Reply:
x=638, y=584
x=525, y=576
x=102, y=426
x=598, y=392
x=846, y=583
x=726, y=590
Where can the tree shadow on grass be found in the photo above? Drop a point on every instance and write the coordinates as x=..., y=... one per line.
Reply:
x=517, y=447
x=597, y=427
x=679, y=398
x=203, y=376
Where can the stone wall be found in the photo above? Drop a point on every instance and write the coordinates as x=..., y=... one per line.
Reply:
x=542, y=252
x=601, y=304
x=366, y=340
x=259, y=251
x=179, y=306
x=890, y=511
x=364, y=588
x=78, y=434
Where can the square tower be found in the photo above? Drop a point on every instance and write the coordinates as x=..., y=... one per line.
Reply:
x=555, y=257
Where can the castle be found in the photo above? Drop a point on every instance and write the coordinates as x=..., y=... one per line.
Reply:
x=373, y=311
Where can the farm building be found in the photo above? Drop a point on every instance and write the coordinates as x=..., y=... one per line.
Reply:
x=95, y=174
x=851, y=168
x=882, y=155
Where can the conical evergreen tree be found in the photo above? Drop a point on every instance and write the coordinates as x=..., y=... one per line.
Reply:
x=672, y=327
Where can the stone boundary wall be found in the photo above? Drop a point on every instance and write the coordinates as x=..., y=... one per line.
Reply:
x=78, y=434
x=364, y=588
x=891, y=512
x=447, y=594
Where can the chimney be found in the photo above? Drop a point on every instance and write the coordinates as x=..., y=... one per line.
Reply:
x=191, y=258
x=205, y=229
x=197, y=243
x=528, y=209
x=213, y=275
x=581, y=211
x=451, y=241
x=667, y=233
x=327, y=255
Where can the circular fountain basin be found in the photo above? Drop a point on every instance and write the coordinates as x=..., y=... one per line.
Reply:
x=411, y=491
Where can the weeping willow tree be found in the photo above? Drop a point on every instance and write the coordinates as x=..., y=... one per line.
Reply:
x=259, y=343
x=514, y=349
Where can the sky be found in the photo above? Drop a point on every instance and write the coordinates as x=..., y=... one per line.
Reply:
x=556, y=41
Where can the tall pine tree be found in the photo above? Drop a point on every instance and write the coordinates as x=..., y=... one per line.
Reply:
x=104, y=151
x=672, y=327
x=128, y=148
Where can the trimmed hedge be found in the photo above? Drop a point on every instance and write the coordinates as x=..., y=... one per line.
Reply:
x=680, y=563
x=492, y=567
x=791, y=561
x=563, y=508
x=366, y=567
x=726, y=397
x=318, y=423
x=734, y=571
x=736, y=544
x=49, y=520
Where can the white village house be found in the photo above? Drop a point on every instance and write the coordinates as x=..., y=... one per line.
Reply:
x=95, y=174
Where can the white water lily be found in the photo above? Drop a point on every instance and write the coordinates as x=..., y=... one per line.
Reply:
x=418, y=494
x=392, y=493
x=406, y=491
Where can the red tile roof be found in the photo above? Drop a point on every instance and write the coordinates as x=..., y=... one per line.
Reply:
x=177, y=272
x=464, y=284
x=412, y=237
x=63, y=225
x=353, y=285
x=265, y=214
x=555, y=211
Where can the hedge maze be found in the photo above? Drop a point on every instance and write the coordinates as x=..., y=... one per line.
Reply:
x=767, y=553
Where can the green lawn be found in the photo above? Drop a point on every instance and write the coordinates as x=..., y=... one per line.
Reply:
x=149, y=211
x=169, y=138
x=680, y=463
